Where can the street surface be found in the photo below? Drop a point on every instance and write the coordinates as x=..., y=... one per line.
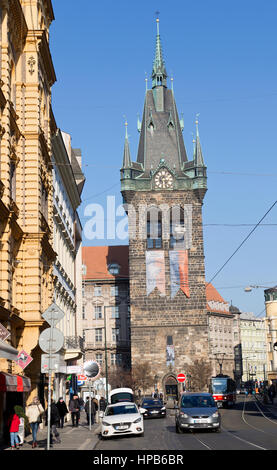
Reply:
x=249, y=425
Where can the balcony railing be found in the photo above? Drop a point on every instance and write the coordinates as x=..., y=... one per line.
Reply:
x=110, y=345
x=74, y=342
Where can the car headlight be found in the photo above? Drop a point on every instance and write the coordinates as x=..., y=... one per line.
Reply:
x=184, y=415
x=163, y=408
x=105, y=423
x=137, y=420
x=215, y=415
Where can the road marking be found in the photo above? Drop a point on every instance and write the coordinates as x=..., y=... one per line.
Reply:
x=243, y=440
x=242, y=415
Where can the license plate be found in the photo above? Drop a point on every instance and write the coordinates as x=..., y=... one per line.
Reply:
x=154, y=412
x=200, y=421
x=120, y=428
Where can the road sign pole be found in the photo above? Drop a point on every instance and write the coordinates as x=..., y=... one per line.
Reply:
x=89, y=404
x=49, y=387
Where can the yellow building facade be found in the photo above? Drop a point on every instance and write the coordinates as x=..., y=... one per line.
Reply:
x=26, y=191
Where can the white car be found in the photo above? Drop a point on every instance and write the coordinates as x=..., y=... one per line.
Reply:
x=121, y=419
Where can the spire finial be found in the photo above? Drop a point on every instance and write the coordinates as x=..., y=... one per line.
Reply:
x=159, y=72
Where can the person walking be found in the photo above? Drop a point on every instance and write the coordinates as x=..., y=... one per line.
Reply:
x=95, y=401
x=34, y=414
x=54, y=420
x=74, y=408
x=102, y=404
x=271, y=393
x=90, y=410
x=62, y=409
x=13, y=424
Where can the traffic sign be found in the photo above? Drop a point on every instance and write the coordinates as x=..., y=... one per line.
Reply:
x=51, y=340
x=50, y=363
x=181, y=377
x=53, y=314
x=4, y=333
x=82, y=378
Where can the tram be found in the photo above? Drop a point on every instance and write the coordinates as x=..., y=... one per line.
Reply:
x=223, y=390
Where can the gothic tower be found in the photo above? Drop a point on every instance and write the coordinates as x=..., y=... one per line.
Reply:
x=163, y=192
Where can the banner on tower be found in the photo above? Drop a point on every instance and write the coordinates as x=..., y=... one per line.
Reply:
x=155, y=271
x=179, y=272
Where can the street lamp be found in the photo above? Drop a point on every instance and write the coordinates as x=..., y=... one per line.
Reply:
x=220, y=358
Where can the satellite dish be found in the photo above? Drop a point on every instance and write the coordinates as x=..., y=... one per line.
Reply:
x=92, y=369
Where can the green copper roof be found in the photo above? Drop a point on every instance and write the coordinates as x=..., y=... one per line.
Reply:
x=159, y=72
x=126, y=154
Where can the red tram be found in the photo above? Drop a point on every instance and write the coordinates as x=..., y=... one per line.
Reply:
x=223, y=390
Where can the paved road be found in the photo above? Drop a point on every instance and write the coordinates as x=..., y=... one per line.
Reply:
x=250, y=425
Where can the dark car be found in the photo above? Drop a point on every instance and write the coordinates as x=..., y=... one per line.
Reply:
x=152, y=408
x=197, y=411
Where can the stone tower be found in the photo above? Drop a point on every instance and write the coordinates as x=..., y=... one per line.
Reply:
x=163, y=194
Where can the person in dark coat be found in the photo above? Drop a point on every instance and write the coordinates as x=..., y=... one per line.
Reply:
x=54, y=421
x=271, y=393
x=74, y=408
x=102, y=404
x=62, y=409
x=90, y=407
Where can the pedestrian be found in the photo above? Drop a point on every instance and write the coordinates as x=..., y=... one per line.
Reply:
x=54, y=421
x=90, y=410
x=74, y=408
x=271, y=393
x=34, y=414
x=13, y=424
x=102, y=404
x=62, y=409
x=95, y=401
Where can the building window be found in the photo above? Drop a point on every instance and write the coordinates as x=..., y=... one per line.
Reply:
x=115, y=335
x=99, y=358
x=114, y=291
x=97, y=291
x=98, y=335
x=116, y=359
x=44, y=201
x=13, y=180
x=115, y=311
x=83, y=312
x=98, y=312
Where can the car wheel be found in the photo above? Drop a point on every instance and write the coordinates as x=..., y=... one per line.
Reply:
x=178, y=430
x=217, y=430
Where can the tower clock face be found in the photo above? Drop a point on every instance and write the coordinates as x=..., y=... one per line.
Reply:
x=163, y=180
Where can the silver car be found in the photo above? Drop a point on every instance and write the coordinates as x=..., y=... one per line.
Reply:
x=197, y=411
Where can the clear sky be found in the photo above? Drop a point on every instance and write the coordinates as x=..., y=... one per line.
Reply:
x=222, y=57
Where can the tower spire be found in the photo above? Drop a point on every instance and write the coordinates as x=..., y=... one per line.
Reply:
x=159, y=74
x=198, y=157
x=126, y=154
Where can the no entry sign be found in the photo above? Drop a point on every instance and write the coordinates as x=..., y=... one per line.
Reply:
x=181, y=377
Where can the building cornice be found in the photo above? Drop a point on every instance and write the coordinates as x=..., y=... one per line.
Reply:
x=64, y=167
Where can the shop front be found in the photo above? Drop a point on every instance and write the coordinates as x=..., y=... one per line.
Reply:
x=13, y=390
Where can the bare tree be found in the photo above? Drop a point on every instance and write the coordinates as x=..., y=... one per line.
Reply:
x=199, y=371
x=142, y=377
x=120, y=377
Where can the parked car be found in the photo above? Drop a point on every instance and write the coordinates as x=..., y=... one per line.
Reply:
x=121, y=419
x=197, y=411
x=152, y=408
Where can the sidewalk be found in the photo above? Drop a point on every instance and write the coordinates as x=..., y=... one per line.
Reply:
x=80, y=438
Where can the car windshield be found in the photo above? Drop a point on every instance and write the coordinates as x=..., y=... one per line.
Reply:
x=122, y=396
x=198, y=402
x=151, y=403
x=121, y=410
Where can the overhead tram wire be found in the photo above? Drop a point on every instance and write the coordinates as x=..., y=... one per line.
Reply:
x=242, y=243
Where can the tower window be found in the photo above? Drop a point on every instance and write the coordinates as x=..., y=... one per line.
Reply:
x=154, y=230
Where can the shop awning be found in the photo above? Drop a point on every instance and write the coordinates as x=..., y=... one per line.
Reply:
x=14, y=383
x=7, y=351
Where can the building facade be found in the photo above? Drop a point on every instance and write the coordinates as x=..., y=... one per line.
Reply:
x=253, y=343
x=163, y=194
x=271, y=333
x=221, y=333
x=106, y=319
x=67, y=238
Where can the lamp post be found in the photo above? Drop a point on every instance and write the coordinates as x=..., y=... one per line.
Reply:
x=220, y=358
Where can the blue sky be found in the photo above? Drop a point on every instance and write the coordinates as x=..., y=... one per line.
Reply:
x=222, y=56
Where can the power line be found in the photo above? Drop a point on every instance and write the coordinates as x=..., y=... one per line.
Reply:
x=242, y=243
